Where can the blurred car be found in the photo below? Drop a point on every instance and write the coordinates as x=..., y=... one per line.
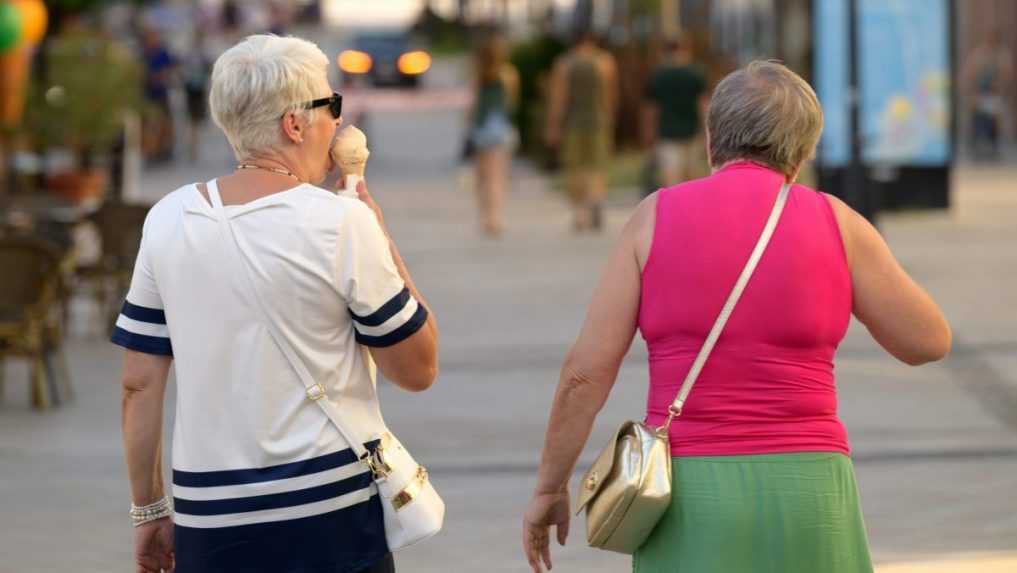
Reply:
x=384, y=58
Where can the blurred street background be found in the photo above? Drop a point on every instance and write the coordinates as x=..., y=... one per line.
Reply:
x=101, y=114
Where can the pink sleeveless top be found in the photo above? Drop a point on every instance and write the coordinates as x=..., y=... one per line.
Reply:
x=768, y=387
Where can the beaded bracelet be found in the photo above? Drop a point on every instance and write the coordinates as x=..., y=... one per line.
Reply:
x=145, y=513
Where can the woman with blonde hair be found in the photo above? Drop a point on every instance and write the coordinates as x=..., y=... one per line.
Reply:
x=762, y=475
x=496, y=92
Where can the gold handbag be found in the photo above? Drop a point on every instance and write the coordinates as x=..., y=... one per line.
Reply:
x=628, y=488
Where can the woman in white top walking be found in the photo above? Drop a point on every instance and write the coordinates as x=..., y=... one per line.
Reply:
x=262, y=481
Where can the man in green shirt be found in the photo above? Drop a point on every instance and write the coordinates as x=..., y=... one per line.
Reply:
x=675, y=100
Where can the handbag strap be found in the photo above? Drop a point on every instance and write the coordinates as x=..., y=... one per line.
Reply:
x=675, y=409
x=315, y=391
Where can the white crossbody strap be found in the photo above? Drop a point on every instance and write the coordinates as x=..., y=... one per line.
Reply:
x=732, y=299
x=315, y=391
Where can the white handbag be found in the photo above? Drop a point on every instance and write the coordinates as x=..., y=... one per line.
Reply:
x=412, y=508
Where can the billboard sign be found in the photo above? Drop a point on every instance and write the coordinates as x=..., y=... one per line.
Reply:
x=904, y=81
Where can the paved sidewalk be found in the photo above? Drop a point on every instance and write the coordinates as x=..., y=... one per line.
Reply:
x=957, y=564
x=935, y=447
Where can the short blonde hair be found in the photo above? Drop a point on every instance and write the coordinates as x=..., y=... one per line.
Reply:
x=766, y=113
x=258, y=81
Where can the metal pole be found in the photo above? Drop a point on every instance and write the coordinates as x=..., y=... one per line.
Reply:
x=856, y=190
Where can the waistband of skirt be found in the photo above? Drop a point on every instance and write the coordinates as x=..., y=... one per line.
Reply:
x=790, y=457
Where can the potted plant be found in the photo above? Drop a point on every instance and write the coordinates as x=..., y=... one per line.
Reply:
x=78, y=104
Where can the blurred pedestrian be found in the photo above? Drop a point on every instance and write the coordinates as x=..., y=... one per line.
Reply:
x=987, y=77
x=676, y=96
x=580, y=122
x=160, y=68
x=492, y=135
x=231, y=17
x=246, y=282
x=279, y=17
x=761, y=474
x=196, y=69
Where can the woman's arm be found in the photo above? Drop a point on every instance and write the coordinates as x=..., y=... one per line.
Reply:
x=411, y=364
x=590, y=368
x=899, y=314
x=143, y=384
x=586, y=379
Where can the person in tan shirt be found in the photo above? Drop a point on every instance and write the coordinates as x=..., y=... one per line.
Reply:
x=583, y=100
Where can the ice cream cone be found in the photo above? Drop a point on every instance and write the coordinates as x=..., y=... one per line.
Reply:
x=353, y=173
x=350, y=153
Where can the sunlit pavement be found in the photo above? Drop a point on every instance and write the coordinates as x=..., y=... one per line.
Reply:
x=956, y=564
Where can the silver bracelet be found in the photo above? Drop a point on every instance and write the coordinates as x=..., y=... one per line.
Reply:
x=141, y=514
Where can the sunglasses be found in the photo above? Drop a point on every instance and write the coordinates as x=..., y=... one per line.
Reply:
x=334, y=103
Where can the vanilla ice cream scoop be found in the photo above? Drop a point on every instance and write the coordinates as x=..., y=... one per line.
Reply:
x=350, y=153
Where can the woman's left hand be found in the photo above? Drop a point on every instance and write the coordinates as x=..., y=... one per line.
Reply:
x=153, y=546
x=545, y=510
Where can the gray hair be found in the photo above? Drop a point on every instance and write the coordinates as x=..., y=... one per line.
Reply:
x=258, y=81
x=766, y=113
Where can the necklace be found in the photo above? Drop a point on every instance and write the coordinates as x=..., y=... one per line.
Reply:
x=273, y=169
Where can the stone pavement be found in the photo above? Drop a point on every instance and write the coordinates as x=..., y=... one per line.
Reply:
x=935, y=447
x=997, y=563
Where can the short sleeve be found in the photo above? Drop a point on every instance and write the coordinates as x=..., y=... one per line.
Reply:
x=383, y=310
x=141, y=325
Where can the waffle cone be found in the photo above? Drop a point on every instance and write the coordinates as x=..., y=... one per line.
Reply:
x=353, y=168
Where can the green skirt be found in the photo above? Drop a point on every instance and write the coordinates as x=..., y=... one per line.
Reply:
x=778, y=513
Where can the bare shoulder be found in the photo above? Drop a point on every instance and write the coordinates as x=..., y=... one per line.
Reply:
x=639, y=229
x=863, y=243
x=841, y=210
x=645, y=212
x=847, y=222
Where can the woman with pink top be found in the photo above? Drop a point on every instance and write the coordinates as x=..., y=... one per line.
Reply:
x=762, y=478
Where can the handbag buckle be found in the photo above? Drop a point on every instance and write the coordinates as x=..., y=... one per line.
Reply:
x=673, y=412
x=316, y=392
x=375, y=461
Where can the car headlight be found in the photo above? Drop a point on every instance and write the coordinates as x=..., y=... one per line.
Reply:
x=355, y=62
x=414, y=63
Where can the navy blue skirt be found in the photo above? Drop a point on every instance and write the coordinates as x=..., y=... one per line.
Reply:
x=348, y=540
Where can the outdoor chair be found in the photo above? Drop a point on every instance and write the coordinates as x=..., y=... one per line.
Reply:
x=31, y=314
x=119, y=226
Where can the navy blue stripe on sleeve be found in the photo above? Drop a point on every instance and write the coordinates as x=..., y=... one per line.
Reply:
x=143, y=313
x=142, y=343
x=398, y=335
x=386, y=311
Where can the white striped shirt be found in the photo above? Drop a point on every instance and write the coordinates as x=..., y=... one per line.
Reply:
x=249, y=448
